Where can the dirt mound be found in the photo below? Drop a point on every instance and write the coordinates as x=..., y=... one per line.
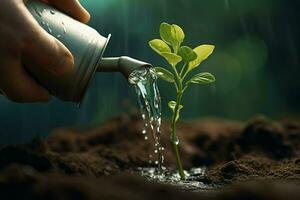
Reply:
x=236, y=155
x=250, y=168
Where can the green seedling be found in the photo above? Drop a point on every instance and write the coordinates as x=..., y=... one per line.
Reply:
x=170, y=48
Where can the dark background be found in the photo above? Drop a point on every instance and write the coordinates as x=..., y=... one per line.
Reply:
x=256, y=63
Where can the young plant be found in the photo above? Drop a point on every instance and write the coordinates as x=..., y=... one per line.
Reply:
x=169, y=47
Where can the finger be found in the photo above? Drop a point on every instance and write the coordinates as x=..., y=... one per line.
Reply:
x=43, y=50
x=73, y=8
x=18, y=86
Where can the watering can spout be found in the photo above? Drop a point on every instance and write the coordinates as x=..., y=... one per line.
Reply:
x=123, y=64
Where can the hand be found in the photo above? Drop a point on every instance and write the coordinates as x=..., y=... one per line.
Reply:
x=23, y=44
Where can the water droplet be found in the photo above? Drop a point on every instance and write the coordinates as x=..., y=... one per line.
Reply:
x=64, y=27
x=177, y=141
x=146, y=137
x=58, y=36
x=162, y=158
x=156, y=162
x=155, y=151
x=158, y=130
x=52, y=12
x=144, y=132
x=38, y=12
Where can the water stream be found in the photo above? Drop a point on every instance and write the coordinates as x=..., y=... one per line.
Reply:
x=145, y=82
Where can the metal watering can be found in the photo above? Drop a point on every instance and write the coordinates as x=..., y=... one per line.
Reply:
x=87, y=47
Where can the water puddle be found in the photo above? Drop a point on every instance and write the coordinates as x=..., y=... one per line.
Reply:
x=171, y=177
x=145, y=81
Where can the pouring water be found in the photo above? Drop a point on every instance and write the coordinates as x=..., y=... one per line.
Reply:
x=145, y=81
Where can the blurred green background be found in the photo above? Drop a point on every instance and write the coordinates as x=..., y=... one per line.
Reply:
x=256, y=63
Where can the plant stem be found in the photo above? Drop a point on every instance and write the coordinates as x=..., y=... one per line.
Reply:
x=174, y=139
x=182, y=69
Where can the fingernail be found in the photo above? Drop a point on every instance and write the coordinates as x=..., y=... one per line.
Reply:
x=86, y=17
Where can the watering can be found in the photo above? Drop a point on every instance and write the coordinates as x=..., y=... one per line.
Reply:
x=87, y=47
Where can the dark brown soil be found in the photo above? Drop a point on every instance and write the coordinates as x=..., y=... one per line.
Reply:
x=244, y=160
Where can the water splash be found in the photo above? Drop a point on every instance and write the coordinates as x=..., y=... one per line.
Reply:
x=171, y=177
x=150, y=107
x=145, y=81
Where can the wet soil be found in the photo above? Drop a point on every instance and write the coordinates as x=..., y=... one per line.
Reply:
x=244, y=160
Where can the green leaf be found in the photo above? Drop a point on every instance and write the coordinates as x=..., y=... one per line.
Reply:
x=202, y=78
x=159, y=46
x=172, y=34
x=172, y=58
x=167, y=33
x=179, y=34
x=164, y=74
x=172, y=105
x=202, y=52
x=187, y=54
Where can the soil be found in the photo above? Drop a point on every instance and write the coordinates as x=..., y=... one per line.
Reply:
x=259, y=159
